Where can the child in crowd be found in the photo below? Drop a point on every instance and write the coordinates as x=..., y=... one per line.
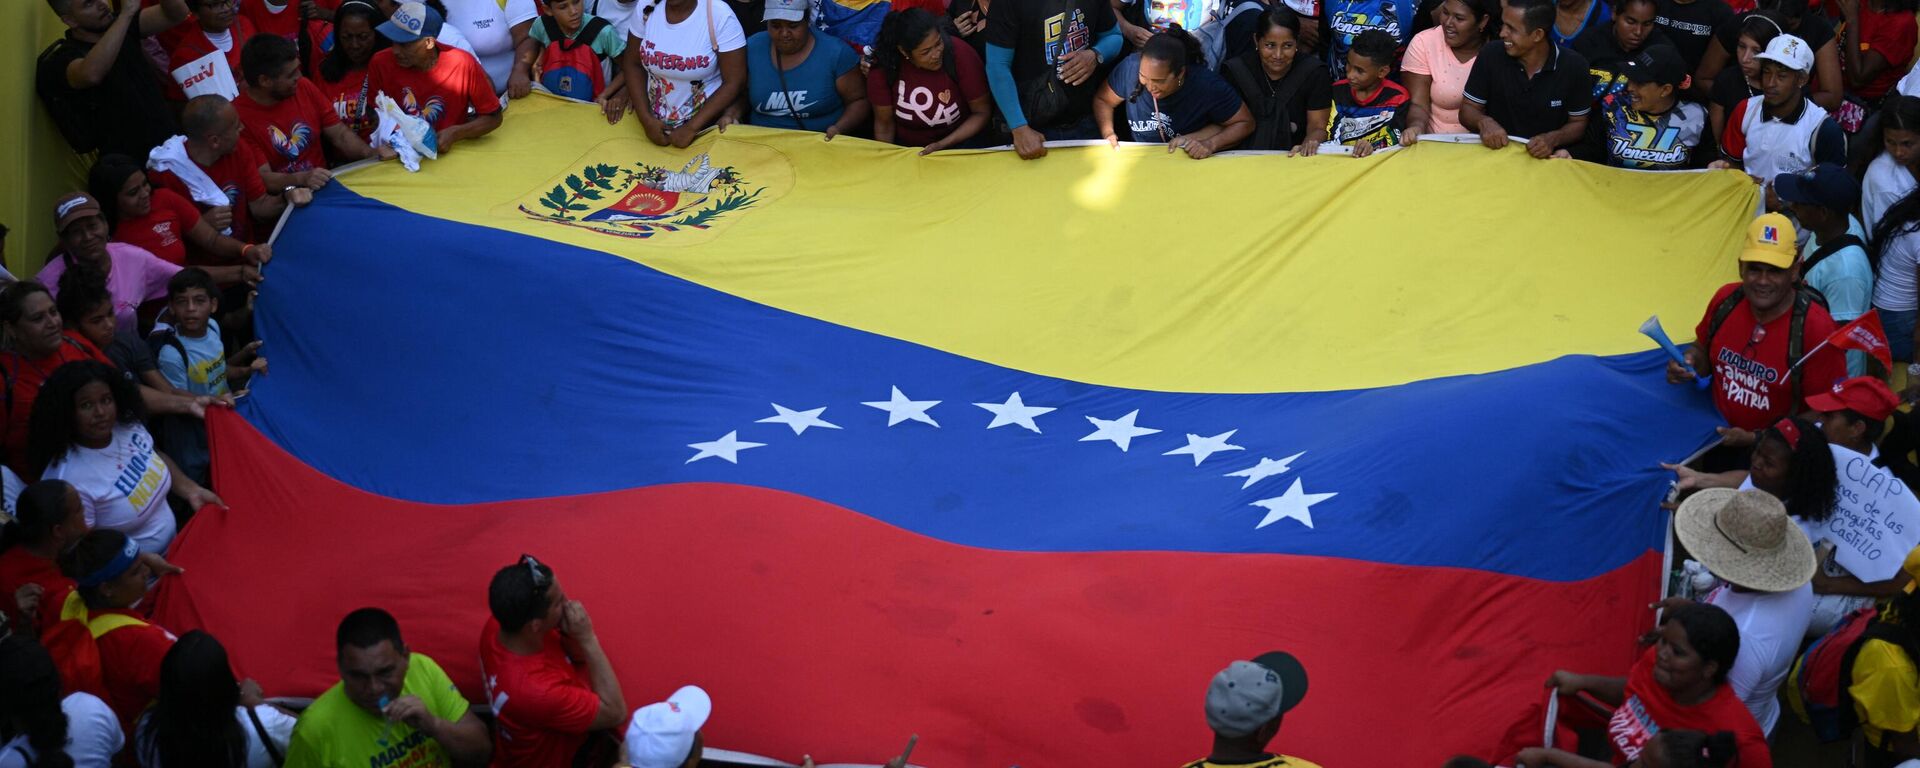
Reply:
x=86, y=307
x=193, y=359
x=1368, y=109
x=190, y=353
x=571, y=52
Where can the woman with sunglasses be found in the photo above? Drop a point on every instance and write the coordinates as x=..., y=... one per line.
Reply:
x=1172, y=99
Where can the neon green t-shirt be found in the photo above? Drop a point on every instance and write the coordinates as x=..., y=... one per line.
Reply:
x=336, y=733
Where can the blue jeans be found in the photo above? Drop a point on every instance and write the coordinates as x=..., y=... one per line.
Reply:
x=1898, y=324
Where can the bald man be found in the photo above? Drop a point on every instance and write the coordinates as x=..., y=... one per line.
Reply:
x=212, y=130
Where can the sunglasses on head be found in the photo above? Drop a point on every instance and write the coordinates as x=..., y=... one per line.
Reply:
x=541, y=578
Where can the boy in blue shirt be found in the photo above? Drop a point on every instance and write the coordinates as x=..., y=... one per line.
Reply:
x=191, y=355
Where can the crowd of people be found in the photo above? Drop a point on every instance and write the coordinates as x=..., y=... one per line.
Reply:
x=205, y=119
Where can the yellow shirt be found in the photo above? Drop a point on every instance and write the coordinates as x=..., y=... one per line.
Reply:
x=1885, y=690
x=337, y=733
x=1277, y=761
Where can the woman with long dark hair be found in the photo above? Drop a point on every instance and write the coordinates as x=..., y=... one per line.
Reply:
x=1288, y=92
x=1892, y=140
x=926, y=91
x=1896, y=279
x=342, y=75
x=1826, y=86
x=39, y=728
x=204, y=717
x=164, y=222
x=86, y=430
x=1740, y=80
x=1172, y=99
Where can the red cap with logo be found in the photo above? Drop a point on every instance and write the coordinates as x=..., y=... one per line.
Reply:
x=1864, y=395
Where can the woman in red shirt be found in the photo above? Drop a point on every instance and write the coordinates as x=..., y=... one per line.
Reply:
x=160, y=220
x=342, y=75
x=112, y=581
x=48, y=518
x=1679, y=683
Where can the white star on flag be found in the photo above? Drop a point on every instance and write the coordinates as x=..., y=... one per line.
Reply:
x=900, y=409
x=728, y=448
x=1013, y=411
x=1265, y=469
x=798, y=420
x=1295, y=504
x=1201, y=447
x=1121, y=430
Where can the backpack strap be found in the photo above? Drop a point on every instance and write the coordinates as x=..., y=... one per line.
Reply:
x=713, y=36
x=1839, y=244
x=1803, y=300
x=1720, y=315
x=260, y=729
x=551, y=26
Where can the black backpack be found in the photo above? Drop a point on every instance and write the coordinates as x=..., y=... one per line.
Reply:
x=1804, y=297
x=72, y=110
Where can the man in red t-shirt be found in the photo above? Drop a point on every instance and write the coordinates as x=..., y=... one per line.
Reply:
x=1754, y=380
x=283, y=117
x=281, y=18
x=548, y=679
x=252, y=190
x=431, y=82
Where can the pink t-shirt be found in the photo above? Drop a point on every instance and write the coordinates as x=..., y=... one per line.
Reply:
x=137, y=277
x=1429, y=55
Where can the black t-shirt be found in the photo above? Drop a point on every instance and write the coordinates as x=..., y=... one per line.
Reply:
x=1814, y=30
x=752, y=15
x=1043, y=33
x=1607, y=60
x=1730, y=88
x=1279, y=107
x=1690, y=25
x=1530, y=106
x=126, y=113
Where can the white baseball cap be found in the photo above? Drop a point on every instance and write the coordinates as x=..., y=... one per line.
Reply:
x=1790, y=52
x=661, y=734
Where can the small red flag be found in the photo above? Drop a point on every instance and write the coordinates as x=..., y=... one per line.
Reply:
x=1866, y=335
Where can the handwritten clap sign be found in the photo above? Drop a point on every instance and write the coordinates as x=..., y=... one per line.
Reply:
x=1876, y=518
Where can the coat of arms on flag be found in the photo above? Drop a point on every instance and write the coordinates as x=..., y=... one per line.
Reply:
x=639, y=200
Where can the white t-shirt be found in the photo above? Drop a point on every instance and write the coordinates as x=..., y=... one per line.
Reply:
x=450, y=36
x=122, y=486
x=93, y=735
x=616, y=12
x=1885, y=183
x=1893, y=287
x=279, y=727
x=683, y=65
x=489, y=28
x=1771, y=625
x=10, y=487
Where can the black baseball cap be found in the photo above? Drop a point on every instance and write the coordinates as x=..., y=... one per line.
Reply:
x=1658, y=64
x=1827, y=185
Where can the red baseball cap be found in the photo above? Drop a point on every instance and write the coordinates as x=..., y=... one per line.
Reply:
x=1864, y=395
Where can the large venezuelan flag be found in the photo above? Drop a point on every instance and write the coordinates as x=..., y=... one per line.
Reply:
x=1011, y=455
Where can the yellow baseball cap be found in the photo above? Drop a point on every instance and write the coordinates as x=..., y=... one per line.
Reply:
x=1770, y=241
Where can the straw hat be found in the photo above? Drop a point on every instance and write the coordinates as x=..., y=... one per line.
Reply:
x=1746, y=538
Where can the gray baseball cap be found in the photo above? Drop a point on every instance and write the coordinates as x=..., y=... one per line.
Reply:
x=786, y=10
x=1249, y=694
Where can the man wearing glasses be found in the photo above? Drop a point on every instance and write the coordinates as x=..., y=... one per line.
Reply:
x=548, y=679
